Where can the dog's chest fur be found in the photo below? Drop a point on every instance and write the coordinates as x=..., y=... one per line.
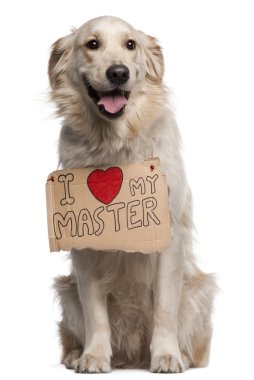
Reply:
x=78, y=150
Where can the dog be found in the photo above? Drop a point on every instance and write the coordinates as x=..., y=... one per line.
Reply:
x=119, y=309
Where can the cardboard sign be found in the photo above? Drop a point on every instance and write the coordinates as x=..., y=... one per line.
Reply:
x=114, y=208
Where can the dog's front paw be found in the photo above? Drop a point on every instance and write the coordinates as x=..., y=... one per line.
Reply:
x=166, y=364
x=89, y=363
x=69, y=359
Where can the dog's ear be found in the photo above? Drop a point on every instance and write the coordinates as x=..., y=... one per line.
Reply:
x=60, y=51
x=153, y=57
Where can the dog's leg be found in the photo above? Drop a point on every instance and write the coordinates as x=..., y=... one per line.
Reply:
x=71, y=335
x=195, y=330
x=165, y=353
x=97, y=352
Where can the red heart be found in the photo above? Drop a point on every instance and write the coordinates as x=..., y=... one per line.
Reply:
x=105, y=184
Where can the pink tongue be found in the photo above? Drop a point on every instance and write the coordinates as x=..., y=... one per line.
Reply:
x=113, y=104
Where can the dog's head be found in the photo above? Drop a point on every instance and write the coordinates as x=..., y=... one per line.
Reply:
x=106, y=70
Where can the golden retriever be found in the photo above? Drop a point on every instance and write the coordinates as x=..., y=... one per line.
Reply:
x=119, y=309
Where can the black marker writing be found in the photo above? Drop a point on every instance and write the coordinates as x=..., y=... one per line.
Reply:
x=65, y=179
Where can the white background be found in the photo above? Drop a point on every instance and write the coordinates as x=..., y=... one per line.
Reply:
x=208, y=48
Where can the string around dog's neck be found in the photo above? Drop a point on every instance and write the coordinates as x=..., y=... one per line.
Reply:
x=153, y=150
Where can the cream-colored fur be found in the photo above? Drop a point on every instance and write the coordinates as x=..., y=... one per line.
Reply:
x=127, y=309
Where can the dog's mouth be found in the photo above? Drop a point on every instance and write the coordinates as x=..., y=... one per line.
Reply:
x=110, y=103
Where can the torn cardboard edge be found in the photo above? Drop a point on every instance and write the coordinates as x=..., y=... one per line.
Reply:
x=116, y=208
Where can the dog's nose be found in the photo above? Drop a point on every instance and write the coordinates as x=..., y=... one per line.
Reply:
x=118, y=74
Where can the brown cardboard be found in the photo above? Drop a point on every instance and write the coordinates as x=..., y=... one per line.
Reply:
x=121, y=207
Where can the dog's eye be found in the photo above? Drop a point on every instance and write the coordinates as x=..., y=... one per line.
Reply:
x=93, y=44
x=131, y=45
